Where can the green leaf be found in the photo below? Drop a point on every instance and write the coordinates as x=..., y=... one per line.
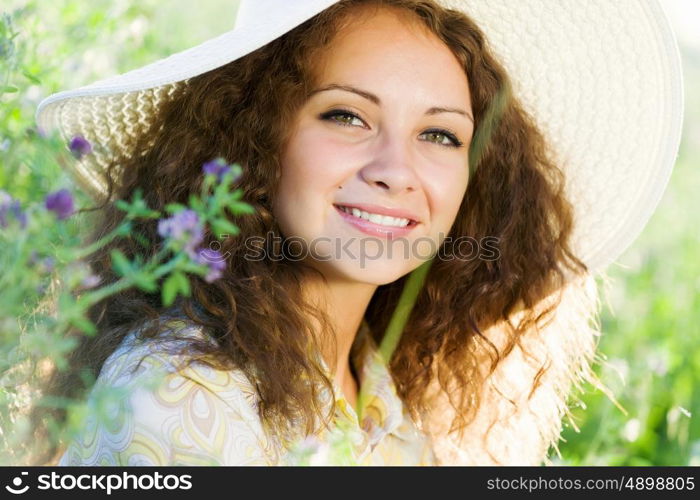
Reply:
x=170, y=289
x=183, y=284
x=31, y=78
x=223, y=226
x=236, y=195
x=8, y=89
x=143, y=241
x=120, y=263
x=124, y=229
x=145, y=282
x=85, y=325
x=173, y=208
x=122, y=205
x=196, y=204
x=177, y=283
x=137, y=208
x=241, y=207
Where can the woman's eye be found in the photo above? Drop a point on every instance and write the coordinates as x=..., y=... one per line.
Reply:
x=443, y=138
x=345, y=118
x=349, y=119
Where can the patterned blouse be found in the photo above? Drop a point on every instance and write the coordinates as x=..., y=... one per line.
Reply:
x=155, y=413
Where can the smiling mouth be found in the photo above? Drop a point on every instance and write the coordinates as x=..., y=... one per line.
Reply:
x=379, y=219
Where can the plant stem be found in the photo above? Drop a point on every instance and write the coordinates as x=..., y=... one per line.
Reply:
x=92, y=248
x=93, y=298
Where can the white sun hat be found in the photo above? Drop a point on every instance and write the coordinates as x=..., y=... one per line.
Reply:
x=601, y=78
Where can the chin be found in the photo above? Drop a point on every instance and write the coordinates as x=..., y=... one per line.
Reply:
x=374, y=272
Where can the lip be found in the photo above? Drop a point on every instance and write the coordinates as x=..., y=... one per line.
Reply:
x=373, y=229
x=382, y=210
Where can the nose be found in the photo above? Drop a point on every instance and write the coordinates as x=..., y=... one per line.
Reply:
x=392, y=167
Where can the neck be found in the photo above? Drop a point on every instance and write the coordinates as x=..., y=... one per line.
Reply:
x=345, y=303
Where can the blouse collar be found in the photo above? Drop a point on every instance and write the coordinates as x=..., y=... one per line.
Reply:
x=380, y=410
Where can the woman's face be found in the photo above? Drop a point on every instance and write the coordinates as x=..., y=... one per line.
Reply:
x=387, y=131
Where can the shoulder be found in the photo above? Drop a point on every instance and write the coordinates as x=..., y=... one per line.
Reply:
x=148, y=407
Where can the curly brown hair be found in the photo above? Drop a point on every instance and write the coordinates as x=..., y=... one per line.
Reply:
x=256, y=313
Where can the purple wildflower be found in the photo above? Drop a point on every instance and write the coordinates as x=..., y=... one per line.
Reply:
x=80, y=146
x=90, y=281
x=10, y=206
x=61, y=203
x=43, y=264
x=217, y=167
x=183, y=227
x=214, y=261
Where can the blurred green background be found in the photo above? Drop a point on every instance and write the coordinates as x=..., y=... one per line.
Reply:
x=651, y=316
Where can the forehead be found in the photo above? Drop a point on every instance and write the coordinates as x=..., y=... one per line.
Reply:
x=378, y=41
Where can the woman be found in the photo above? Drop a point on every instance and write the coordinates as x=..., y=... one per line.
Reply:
x=365, y=125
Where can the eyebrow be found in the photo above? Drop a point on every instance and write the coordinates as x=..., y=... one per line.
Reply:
x=374, y=99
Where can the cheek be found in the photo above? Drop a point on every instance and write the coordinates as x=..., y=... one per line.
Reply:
x=446, y=195
x=311, y=170
x=314, y=165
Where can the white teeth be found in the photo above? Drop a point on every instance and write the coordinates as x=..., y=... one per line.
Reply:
x=377, y=219
x=383, y=220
